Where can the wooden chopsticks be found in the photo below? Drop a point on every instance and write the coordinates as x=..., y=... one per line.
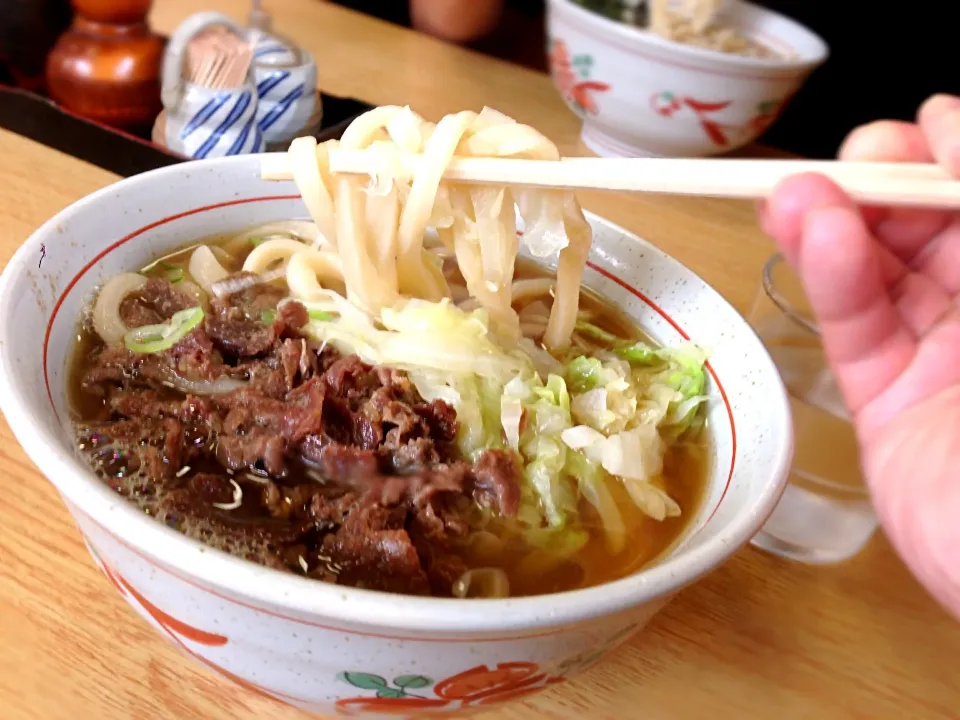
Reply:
x=902, y=184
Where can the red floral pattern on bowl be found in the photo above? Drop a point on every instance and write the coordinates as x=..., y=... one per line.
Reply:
x=481, y=685
x=571, y=76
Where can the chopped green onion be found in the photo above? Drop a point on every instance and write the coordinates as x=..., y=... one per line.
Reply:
x=174, y=273
x=597, y=333
x=268, y=316
x=319, y=315
x=157, y=338
x=256, y=240
x=639, y=354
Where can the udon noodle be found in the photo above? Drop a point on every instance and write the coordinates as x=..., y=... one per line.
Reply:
x=386, y=220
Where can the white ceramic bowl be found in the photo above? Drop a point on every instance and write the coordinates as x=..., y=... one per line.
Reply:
x=333, y=649
x=640, y=95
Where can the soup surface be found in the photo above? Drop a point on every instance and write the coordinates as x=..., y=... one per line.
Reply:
x=251, y=436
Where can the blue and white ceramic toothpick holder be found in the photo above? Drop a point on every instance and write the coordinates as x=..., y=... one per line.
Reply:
x=283, y=78
x=214, y=123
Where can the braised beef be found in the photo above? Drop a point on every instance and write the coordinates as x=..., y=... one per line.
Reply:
x=154, y=304
x=346, y=473
x=495, y=483
x=371, y=549
x=193, y=359
x=251, y=302
x=290, y=317
x=239, y=323
x=136, y=313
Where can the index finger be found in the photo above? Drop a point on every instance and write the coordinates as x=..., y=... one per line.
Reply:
x=905, y=231
x=841, y=267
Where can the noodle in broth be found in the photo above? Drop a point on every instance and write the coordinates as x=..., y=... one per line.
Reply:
x=386, y=396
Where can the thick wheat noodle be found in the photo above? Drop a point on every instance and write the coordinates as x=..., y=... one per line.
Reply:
x=262, y=257
x=497, y=229
x=419, y=206
x=535, y=312
x=303, y=230
x=106, y=311
x=573, y=259
x=498, y=239
x=307, y=170
x=379, y=230
x=303, y=269
x=382, y=213
x=489, y=204
x=204, y=267
x=369, y=262
x=409, y=131
x=526, y=290
x=363, y=287
x=364, y=130
x=526, y=142
x=522, y=291
x=466, y=247
x=468, y=250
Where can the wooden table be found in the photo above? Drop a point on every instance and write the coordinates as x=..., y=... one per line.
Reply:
x=758, y=638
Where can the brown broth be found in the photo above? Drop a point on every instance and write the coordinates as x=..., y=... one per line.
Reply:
x=530, y=571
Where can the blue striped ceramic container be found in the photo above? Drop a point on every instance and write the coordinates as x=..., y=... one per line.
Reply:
x=211, y=123
x=286, y=85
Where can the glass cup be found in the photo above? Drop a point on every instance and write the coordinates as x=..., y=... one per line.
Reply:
x=825, y=515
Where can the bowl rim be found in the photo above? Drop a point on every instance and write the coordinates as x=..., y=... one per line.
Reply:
x=267, y=588
x=639, y=37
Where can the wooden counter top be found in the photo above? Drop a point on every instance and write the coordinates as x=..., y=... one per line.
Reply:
x=759, y=638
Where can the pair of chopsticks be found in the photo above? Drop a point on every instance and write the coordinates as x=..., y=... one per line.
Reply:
x=218, y=59
x=901, y=184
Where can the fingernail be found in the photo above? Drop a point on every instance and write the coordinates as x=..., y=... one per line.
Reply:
x=880, y=141
x=936, y=106
x=945, y=101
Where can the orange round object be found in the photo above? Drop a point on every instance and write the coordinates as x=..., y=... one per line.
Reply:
x=106, y=67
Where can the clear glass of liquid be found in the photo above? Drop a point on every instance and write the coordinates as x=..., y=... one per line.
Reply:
x=825, y=515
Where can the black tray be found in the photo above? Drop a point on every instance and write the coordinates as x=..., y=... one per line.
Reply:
x=124, y=154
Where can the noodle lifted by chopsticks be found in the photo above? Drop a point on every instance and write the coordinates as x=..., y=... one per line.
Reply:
x=373, y=235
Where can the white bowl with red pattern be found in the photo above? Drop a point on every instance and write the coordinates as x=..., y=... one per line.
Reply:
x=640, y=95
x=339, y=650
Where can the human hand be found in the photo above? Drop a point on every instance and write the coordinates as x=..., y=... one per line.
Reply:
x=885, y=286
